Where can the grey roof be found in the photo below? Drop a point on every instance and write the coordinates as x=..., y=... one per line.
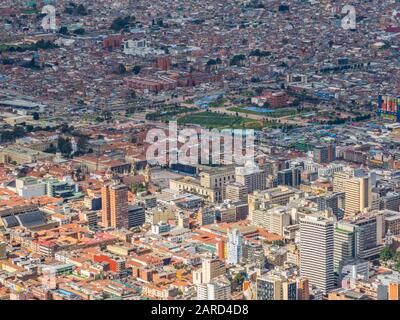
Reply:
x=31, y=219
x=10, y=221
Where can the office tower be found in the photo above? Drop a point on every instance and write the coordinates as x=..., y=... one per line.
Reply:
x=236, y=192
x=253, y=253
x=290, y=177
x=205, y=216
x=136, y=216
x=303, y=289
x=251, y=177
x=115, y=205
x=361, y=238
x=216, y=290
x=316, y=252
x=211, y=268
x=234, y=245
x=324, y=153
x=358, y=195
x=357, y=189
x=344, y=245
x=369, y=234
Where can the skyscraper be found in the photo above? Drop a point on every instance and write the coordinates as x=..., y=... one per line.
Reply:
x=235, y=243
x=115, y=205
x=357, y=189
x=316, y=252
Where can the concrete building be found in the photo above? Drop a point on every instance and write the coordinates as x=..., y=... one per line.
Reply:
x=274, y=220
x=115, y=205
x=235, y=246
x=29, y=187
x=251, y=177
x=316, y=252
x=216, y=290
x=211, y=268
x=236, y=192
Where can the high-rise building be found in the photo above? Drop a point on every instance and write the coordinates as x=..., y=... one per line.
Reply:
x=330, y=202
x=324, y=153
x=235, y=246
x=236, y=192
x=136, y=216
x=357, y=189
x=290, y=177
x=251, y=177
x=115, y=205
x=344, y=246
x=211, y=268
x=316, y=252
x=369, y=234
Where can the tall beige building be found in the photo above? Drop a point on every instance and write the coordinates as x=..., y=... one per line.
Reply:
x=357, y=189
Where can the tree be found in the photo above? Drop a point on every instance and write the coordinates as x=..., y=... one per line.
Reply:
x=121, y=68
x=64, y=146
x=136, y=69
x=80, y=31
x=238, y=280
x=137, y=187
x=385, y=254
x=81, y=10
x=63, y=30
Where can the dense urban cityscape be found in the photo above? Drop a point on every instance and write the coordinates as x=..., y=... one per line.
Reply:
x=122, y=175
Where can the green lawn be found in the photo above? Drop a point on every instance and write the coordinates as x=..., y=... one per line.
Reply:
x=209, y=120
